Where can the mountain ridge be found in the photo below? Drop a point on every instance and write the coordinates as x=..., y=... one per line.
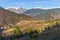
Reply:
x=9, y=17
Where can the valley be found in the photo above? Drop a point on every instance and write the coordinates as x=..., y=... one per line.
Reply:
x=33, y=24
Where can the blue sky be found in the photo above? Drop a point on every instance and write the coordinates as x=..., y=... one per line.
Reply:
x=30, y=3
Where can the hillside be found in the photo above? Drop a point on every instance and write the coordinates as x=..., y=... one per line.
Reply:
x=34, y=12
x=37, y=30
x=44, y=14
x=8, y=17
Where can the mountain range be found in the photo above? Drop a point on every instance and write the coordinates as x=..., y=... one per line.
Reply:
x=44, y=13
x=41, y=14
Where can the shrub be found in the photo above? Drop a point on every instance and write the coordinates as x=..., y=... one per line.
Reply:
x=17, y=31
x=39, y=30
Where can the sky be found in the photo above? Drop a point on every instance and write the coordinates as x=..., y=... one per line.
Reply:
x=30, y=3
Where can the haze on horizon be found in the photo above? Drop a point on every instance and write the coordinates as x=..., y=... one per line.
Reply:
x=30, y=3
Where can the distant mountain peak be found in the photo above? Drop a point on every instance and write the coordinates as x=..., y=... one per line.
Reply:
x=39, y=8
x=12, y=8
x=16, y=9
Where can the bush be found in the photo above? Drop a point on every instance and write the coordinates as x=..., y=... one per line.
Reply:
x=39, y=30
x=17, y=31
